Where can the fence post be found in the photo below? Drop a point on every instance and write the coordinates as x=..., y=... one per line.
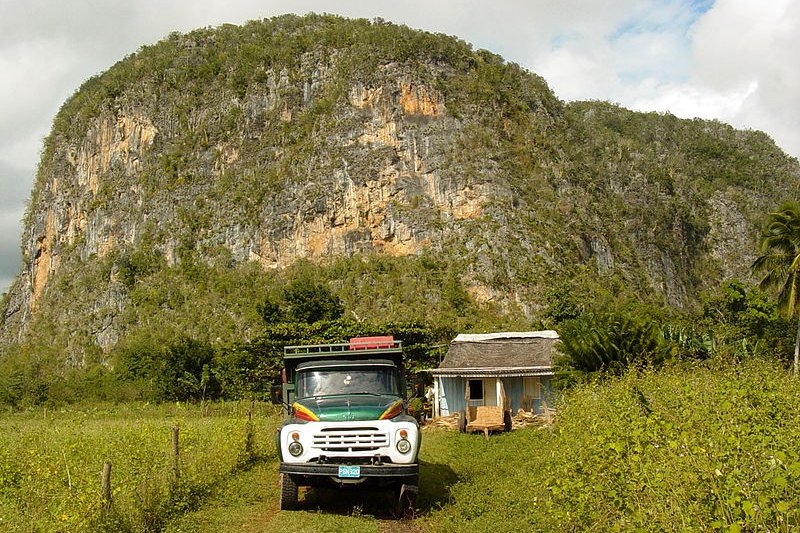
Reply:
x=176, y=471
x=547, y=419
x=248, y=437
x=105, y=486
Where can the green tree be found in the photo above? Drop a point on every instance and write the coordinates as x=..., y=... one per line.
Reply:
x=185, y=372
x=740, y=320
x=560, y=304
x=780, y=263
x=454, y=293
x=309, y=302
x=270, y=311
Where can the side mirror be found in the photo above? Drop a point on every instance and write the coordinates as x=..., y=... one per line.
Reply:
x=276, y=394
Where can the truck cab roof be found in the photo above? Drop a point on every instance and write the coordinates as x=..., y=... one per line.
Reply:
x=344, y=363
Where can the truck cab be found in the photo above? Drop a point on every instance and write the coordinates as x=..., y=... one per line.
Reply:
x=346, y=423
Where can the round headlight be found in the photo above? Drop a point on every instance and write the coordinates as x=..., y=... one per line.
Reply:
x=296, y=449
x=403, y=446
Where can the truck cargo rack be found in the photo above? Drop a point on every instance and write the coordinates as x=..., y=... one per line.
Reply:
x=366, y=346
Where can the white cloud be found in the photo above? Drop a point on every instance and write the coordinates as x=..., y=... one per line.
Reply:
x=35, y=77
x=734, y=62
x=10, y=256
x=610, y=54
x=688, y=101
x=743, y=43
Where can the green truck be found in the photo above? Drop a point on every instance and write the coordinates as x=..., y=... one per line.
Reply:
x=346, y=422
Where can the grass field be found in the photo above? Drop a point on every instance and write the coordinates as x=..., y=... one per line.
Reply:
x=50, y=463
x=687, y=449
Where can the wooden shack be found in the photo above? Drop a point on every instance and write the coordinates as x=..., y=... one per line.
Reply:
x=482, y=369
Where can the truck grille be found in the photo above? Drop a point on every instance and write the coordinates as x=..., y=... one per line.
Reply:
x=350, y=439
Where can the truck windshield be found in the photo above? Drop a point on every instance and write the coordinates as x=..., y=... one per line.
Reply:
x=364, y=380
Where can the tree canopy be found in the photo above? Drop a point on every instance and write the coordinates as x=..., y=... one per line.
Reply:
x=779, y=262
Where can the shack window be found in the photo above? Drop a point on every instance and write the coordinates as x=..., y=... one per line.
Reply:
x=475, y=389
x=532, y=388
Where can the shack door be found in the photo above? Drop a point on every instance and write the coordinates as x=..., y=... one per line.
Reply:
x=483, y=391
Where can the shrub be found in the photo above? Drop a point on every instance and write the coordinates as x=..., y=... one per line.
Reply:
x=607, y=343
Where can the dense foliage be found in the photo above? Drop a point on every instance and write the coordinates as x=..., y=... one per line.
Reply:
x=780, y=263
x=174, y=351
x=685, y=449
x=609, y=343
x=737, y=323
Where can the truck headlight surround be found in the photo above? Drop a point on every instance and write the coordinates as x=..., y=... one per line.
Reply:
x=403, y=445
x=296, y=449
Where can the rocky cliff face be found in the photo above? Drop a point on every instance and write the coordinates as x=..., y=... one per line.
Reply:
x=318, y=137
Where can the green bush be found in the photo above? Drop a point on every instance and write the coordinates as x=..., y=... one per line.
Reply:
x=607, y=343
x=182, y=370
x=309, y=302
x=745, y=323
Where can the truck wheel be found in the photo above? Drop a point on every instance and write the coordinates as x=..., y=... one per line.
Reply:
x=406, y=502
x=288, y=493
x=507, y=420
x=462, y=421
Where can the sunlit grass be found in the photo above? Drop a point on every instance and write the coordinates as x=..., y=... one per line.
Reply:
x=50, y=462
x=682, y=449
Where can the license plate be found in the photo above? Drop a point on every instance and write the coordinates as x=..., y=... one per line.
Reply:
x=349, y=471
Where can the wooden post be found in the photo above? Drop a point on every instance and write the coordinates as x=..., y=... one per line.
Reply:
x=176, y=472
x=437, y=407
x=547, y=419
x=105, y=485
x=248, y=437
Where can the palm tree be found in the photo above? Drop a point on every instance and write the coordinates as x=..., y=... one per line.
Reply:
x=780, y=263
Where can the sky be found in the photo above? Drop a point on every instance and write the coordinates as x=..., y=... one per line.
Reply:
x=731, y=60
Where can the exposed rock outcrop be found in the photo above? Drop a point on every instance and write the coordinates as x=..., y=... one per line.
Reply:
x=319, y=137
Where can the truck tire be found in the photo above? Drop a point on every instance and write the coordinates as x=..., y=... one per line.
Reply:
x=406, y=502
x=289, y=492
x=507, y=420
x=462, y=421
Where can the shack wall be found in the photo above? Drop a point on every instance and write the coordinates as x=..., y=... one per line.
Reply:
x=451, y=393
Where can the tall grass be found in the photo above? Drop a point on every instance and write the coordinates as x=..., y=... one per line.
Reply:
x=684, y=449
x=50, y=463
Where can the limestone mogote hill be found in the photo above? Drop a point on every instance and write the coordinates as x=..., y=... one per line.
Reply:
x=401, y=164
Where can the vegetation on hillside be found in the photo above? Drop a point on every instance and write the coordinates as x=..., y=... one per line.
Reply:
x=255, y=125
x=174, y=353
x=609, y=224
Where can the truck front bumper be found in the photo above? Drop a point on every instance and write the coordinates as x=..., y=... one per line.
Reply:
x=332, y=470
